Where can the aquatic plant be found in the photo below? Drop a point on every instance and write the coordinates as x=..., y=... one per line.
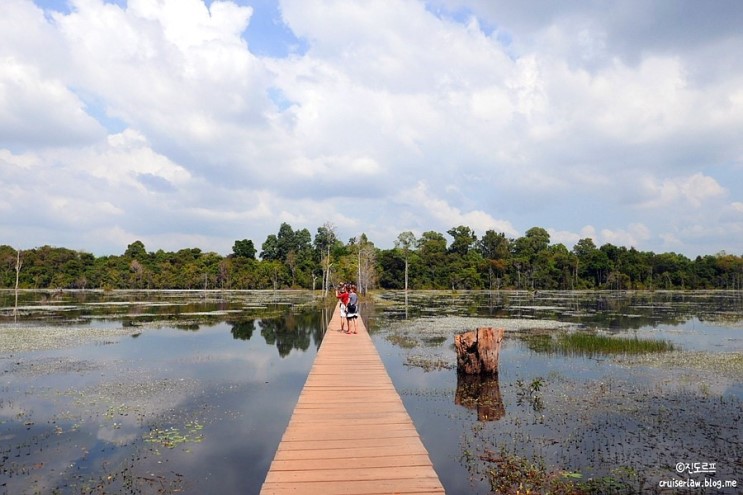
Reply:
x=511, y=474
x=530, y=393
x=403, y=341
x=172, y=437
x=593, y=344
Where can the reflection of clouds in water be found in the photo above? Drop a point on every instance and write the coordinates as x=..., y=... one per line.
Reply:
x=255, y=363
x=119, y=433
x=240, y=436
x=13, y=409
x=95, y=403
x=143, y=389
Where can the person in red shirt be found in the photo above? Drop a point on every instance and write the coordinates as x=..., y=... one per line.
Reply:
x=343, y=296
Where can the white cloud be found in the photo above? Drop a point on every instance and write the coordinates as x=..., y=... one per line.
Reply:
x=635, y=235
x=570, y=239
x=157, y=118
x=445, y=216
x=692, y=190
x=39, y=111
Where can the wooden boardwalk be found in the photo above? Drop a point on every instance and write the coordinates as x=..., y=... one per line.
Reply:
x=350, y=433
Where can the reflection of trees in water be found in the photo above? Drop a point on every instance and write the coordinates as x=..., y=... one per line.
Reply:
x=612, y=309
x=480, y=393
x=243, y=330
x=287, y=332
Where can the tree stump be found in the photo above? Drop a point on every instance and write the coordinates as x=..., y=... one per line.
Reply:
x=477, y=351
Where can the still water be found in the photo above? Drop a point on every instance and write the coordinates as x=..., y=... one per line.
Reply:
x=193, y=406
x=616, y=424
x=178, y=392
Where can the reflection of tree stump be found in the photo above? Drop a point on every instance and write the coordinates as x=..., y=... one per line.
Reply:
x=477, y=351
x=481, y=394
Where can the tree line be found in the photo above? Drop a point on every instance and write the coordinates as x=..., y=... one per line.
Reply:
x=297, y=259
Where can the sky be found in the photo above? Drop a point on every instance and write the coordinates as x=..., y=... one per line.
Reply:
x=184, y=123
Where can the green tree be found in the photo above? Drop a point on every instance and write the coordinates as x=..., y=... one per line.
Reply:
x=495, y=248
x=434, y=271
x=136, y=251
x=593, y=264
x=244, y=249
x=528, y=253
x=464, y=240
x=270, y=248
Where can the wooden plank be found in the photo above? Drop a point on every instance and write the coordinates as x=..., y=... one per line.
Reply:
x=355, y=461
x=344, y=443
x=347, y=452
x=345, y=474
x=428, y=485
x=350, y=432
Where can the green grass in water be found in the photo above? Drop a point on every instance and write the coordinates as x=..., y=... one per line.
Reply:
x=590, y=344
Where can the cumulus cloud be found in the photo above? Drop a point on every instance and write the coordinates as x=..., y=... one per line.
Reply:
x=36, y=111
x=439, y=212
x=691, y=190
x=159, y=121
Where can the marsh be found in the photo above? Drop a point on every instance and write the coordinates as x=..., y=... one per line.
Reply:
x=190, y=392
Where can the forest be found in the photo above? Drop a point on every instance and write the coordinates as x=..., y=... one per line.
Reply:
x=295, y=259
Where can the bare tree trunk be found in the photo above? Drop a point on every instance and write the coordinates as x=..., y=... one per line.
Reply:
x=18, y=265
x=406, y=273
x=326, y=278
x=478, y=351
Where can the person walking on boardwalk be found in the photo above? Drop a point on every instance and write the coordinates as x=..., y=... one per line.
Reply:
x=352, y=309
x=343, y=297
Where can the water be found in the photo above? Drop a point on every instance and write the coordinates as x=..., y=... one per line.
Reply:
x=158, y=410
x=617, y=424
x=190, y=392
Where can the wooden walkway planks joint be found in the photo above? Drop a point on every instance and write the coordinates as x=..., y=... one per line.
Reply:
x=350, y=433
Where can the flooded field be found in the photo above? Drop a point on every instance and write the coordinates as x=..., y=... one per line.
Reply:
x=190, y=392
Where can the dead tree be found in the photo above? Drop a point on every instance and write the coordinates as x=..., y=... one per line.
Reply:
x=477, y=351
x=18, y=265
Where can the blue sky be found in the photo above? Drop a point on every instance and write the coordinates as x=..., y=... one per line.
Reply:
x=182, y=123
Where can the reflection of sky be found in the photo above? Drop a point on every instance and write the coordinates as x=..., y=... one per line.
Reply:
x=244, y=393
x=445, y=426
x=241, y=391
x=695, y=335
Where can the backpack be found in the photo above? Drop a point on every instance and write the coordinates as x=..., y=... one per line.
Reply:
x=350, y=308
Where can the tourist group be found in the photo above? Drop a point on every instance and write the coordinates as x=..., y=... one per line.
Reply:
x=349, y=301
